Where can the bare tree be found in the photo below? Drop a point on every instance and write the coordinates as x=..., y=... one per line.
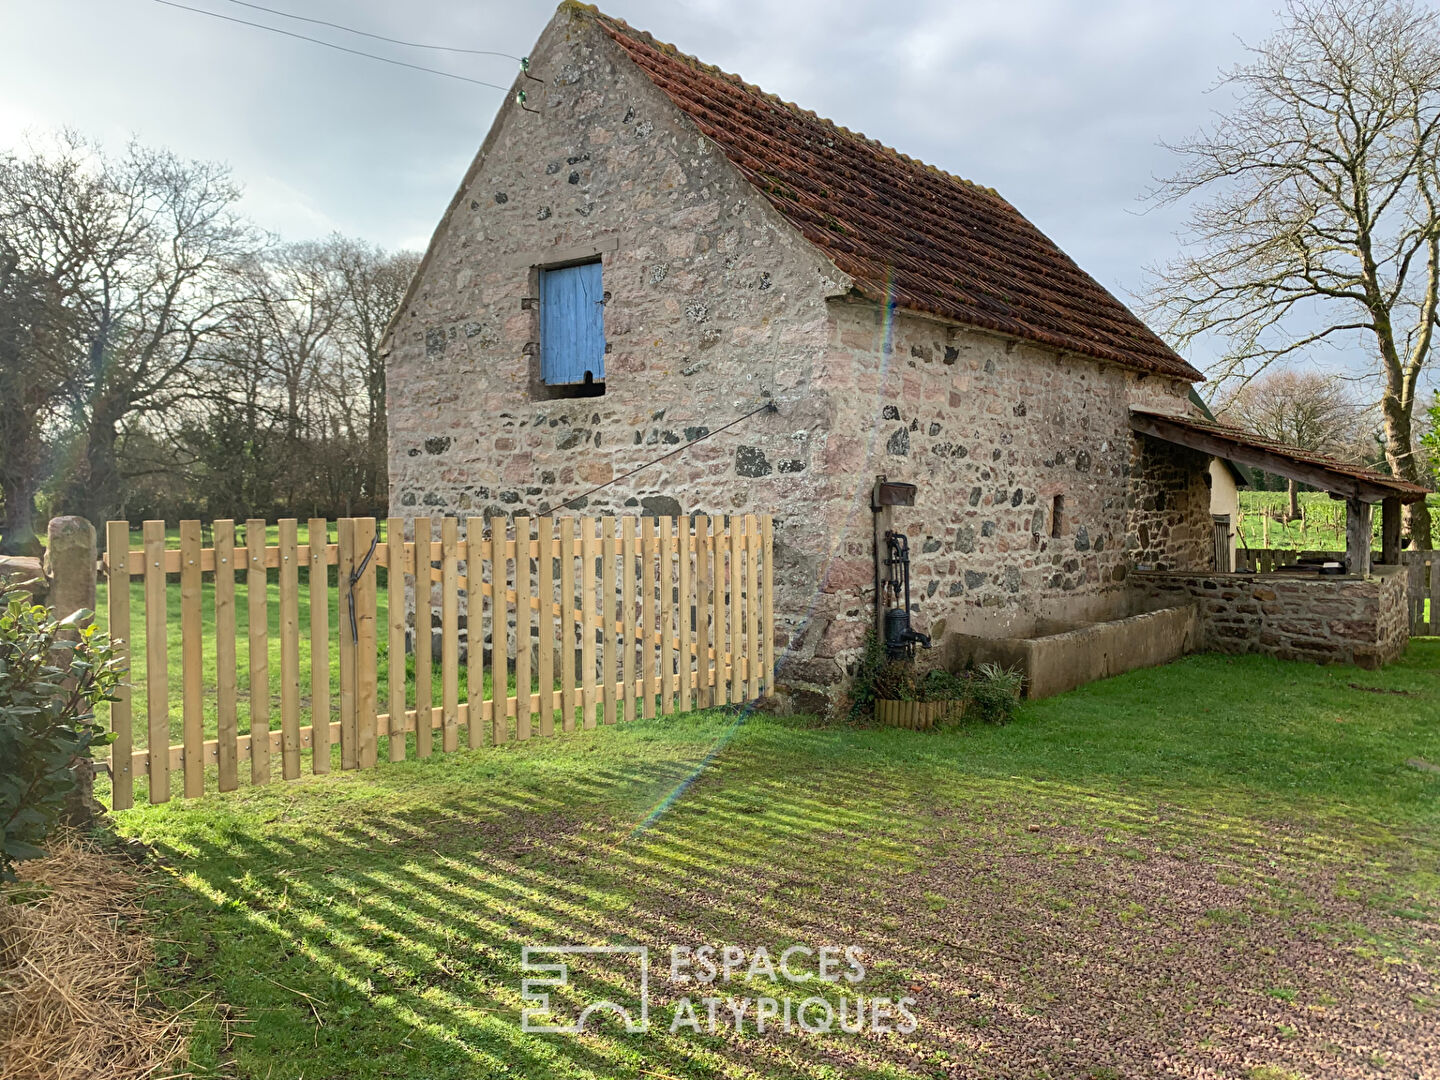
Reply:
x=143, y=249
x=1304, y=409
x=373, y=282
x=1317, y=220
x=31, y=317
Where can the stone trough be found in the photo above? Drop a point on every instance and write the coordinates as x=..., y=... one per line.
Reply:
x=1057, y=659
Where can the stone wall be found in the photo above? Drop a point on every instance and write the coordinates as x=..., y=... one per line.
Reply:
x=1343, y=620
x=714, y=305
x=1169, y=525
x=992, y=432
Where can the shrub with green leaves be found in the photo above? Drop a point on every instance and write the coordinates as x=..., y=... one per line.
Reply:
x=52, y=675
x=995, y=693
x=867, y=674
x=939, y=685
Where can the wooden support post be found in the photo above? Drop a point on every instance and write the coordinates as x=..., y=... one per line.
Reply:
x=1390, y=532
x=1357, y=536
x=117, y=567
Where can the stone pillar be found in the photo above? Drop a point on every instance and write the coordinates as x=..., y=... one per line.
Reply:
x=70, y=570
x=70, y=566
x=1357, y=536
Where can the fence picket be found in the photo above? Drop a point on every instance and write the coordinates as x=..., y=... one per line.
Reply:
x=718, y=622
x=257, y=606
x=737, y=610
x=767, y=526
x=117, y=577
x=684, y=617
x=397, y=564
x=630, y=649
x=587, y=621
x=157, y=676
x=649, y=619
x=450, y=636
x=477, y=555
x=545, y=647
x=289, y=649
x=704, y=594
x=499, y=632
x=366, y=664
x=345, y=531
x=318, y=548
x=522, y=628
x=609, y=646
x=1433, y=562
x=752, y=606
x=424, y=660
x=567, y=624
x=667, y=619
x=192, y=717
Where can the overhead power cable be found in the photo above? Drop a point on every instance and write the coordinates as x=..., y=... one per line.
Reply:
x=332, y=45
x=367, y=34
x=769, y=406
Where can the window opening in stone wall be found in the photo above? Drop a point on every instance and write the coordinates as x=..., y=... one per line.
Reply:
x=572, y=329
x=1057, y=517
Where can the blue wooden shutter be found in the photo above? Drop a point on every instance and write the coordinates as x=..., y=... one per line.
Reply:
x=572, y=325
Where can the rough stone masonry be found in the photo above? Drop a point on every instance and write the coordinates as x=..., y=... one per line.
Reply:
x=1034, y=496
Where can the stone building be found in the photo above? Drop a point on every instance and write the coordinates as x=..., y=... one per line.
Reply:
x=646, y=249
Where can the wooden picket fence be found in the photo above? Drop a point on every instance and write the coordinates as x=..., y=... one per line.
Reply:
x=1423, y=580
x=599, y=620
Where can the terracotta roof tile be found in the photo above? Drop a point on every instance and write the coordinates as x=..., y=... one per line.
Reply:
x=903, y=230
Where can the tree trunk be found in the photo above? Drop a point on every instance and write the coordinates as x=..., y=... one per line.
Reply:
x=1403, y=461
x=19, y=530
x=93, y=490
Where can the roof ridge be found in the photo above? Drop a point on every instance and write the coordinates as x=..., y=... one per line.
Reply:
x=903, y=230
x=645, y=36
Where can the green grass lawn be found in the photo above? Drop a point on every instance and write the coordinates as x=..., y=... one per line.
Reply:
x=1222, y=867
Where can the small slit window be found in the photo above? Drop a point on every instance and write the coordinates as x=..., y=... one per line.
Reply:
x=1057, y=517
x=572, y=326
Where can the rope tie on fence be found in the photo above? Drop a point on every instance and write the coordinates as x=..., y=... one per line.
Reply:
x=355, y=576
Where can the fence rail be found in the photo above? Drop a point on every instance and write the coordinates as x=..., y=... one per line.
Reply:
x=1422, y=589
x=677, y=616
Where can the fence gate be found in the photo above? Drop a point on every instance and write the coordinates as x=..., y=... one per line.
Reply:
x=568, y=623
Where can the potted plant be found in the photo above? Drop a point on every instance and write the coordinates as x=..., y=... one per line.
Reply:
x=904, y=698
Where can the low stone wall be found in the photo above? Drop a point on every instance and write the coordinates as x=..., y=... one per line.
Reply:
x=1346, y=620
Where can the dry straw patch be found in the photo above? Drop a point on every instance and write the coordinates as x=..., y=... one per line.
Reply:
x=73, y=952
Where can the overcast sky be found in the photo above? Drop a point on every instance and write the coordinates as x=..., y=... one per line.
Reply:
x=1059, y=104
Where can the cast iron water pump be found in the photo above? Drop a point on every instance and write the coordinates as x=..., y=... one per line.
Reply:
x=900, y=638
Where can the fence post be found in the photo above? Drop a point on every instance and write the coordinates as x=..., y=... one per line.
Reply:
x=70, y=569
x=70, y=566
